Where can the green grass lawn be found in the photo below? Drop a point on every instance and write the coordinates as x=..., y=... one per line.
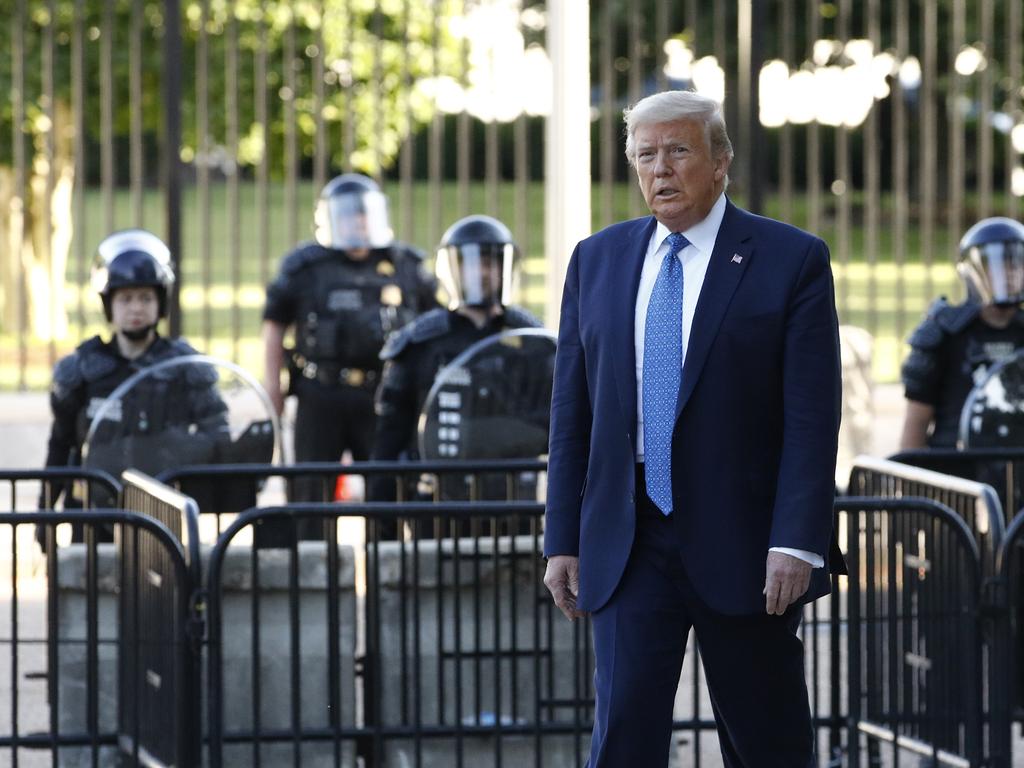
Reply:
x=223, y=282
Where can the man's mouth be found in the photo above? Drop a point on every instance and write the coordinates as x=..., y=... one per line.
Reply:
x=667, y=192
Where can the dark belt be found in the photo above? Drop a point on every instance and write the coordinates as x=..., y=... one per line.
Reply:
x=349, y=377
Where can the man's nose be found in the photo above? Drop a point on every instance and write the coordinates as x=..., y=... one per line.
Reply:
x=661, y=166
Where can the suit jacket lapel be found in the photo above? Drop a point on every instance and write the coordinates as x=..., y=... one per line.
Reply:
x=623, y=279
x=729, y=260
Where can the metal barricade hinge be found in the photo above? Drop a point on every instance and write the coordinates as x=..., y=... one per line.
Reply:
x=195, y=630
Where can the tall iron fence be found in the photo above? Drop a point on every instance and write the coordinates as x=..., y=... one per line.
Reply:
x=885, y=127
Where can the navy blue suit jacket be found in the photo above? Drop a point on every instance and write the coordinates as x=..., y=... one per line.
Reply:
x=757, y=420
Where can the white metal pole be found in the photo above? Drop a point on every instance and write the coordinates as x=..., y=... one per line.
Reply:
x=567, y=140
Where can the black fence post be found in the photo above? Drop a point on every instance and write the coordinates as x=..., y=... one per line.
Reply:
x=172, y=152
x=750, y=34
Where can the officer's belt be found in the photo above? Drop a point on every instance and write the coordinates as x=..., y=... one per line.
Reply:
x=333, y=374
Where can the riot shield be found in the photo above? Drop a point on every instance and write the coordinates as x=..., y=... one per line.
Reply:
x=993, y=417
x=493, y=401
x=993, y=413
x=187, y=410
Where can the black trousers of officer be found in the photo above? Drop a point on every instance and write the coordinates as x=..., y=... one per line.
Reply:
x=329, y=420
x=754, y=665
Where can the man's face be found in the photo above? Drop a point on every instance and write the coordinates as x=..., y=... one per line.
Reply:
x=354, y=229
x=133, y=309
x=679, y=178
x=490, y=276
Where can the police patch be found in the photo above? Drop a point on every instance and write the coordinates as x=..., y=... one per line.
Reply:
x=344, y=298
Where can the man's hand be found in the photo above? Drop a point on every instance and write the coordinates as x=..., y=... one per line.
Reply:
x=276, y=398
x=273, y=359
x=786, y=580
x=562, y=578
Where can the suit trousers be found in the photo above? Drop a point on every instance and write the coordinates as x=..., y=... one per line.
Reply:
x=754, y=665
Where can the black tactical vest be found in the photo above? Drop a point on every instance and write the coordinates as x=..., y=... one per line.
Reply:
x=346, y=308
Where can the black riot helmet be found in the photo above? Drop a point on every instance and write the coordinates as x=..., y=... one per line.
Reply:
x=475, y=262
x=352, y=213
x=991, y=261
x=132, y=258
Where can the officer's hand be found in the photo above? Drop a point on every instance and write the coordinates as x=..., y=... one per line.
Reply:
x=786, y=580
x=562, y=578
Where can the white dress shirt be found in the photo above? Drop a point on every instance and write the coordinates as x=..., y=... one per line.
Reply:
x=695, y=259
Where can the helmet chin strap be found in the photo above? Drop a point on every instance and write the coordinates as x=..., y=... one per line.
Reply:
x=138, y=334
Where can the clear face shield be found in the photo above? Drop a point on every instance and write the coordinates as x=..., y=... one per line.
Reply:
x=994, y=272
x=477, y=274
x=353, y=220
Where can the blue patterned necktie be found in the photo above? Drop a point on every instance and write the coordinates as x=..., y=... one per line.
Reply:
x=663, y=353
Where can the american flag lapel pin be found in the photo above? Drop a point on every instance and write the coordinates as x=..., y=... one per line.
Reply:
x=737, y=259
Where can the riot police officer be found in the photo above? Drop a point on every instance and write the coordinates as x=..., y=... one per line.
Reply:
x=343, y=293
x=956, y=344
x=475, y=264
x=133, y=276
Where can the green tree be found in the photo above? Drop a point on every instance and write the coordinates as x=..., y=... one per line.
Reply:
x=262, y=57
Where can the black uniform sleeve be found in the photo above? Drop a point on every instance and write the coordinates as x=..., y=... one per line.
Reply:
x=208, y=409
x=63, y=440
x=396, y=409
x=922, y=372
x=282, y=295
x=395, y=406
x=67, y=399
x=427, y=293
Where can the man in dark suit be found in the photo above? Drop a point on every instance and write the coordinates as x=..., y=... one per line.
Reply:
x=694, y=425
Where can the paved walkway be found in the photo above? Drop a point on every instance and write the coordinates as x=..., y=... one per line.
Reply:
x=24, y=426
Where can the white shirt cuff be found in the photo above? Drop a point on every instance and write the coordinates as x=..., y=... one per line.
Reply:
x=816, y=560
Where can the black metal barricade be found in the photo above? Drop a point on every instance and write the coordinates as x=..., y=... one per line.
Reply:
x=176, y=511
x=152, y=624
x=68, y=672
x=1006, y=671
x=232, y=488
x=98, y=488
x=427, y=637
x=438, y=646
x=915, y=655
x=1002, y=468
x=408, y=670
x=974, y=503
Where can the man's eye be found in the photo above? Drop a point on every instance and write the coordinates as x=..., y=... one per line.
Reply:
x=678, y=150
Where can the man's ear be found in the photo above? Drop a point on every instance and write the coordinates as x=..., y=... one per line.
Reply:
x=722, y=167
